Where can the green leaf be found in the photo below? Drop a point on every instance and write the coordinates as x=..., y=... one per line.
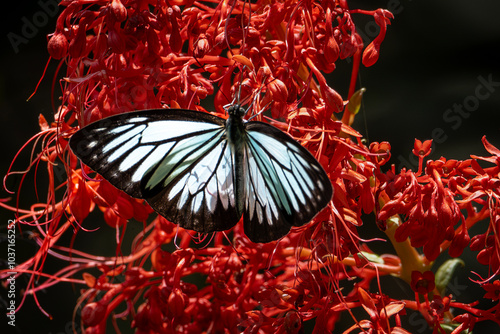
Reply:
x=445, y=273
x=449, y=328
x=371, y=257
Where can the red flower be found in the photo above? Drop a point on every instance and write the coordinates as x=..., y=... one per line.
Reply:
x=492, y=290
x=380, y=311
x=422, y=150
x=439, y=306
x=422, y=283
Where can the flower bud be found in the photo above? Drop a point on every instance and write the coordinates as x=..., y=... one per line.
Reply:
x=278, y=90
x=177, y=302
x=58, y=46
x=201, y=46
x=371, y=53
x=93, y=313
x=118, y=10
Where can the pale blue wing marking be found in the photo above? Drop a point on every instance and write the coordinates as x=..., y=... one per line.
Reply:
x=264, y=171
x=165, y=130
x=120, y=129
x=224, y=180
x=259, y=198
x=181, y=157
x=121, y=139
x=193, y=183
x=135, y=157
x=210, y=180
x=126, y=145
x=153, y=158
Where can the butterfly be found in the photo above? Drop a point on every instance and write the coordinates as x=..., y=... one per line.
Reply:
x=204, y=172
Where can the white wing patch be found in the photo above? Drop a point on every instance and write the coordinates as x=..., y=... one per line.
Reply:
x=137, y=155
x=159, y=152
x=137, y=119
x=222, y=184
x=274, y=148
x=120, y=129
x=259, y=198
x=165, y=130
x=127, y=136
x=181, y=157
x=126, y=145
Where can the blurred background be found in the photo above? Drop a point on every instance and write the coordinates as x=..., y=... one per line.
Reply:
x=438, y=76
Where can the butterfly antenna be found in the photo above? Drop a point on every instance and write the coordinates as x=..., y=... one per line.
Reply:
x=260, y=112
x=242, y=51
x=255, y=98
x=238, y=96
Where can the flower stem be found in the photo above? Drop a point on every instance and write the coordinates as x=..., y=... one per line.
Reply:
x=410, y=259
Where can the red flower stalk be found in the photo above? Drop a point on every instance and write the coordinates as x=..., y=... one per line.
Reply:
x=124, y=55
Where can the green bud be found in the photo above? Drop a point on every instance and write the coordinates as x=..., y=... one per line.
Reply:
x=355, y=101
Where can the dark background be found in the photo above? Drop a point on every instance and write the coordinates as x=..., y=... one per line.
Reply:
x=431, y=59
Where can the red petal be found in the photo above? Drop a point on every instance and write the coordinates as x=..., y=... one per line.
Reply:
x=490, y=148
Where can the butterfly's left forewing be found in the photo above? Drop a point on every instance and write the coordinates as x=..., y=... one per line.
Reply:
x=178, y=160
x=285, y=186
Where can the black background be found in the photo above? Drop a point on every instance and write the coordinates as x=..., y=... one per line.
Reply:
x=431, y=59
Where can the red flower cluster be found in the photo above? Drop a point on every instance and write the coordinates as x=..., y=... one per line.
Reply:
x=123, y=55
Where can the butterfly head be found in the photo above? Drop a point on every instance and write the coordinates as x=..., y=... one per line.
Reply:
x=236, y=110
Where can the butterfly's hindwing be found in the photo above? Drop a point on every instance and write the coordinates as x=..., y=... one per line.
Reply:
x=286, y=186
x=201, y=198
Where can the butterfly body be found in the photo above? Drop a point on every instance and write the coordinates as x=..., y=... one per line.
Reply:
x=204, y=172
x=236, y=136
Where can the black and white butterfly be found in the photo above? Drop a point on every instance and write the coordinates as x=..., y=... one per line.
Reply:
x=204, y=172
